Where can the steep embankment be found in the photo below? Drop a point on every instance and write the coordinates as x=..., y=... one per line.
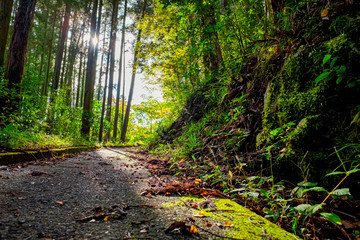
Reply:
x=293, y=110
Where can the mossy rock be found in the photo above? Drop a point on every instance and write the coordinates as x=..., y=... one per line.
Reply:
x=240, y=222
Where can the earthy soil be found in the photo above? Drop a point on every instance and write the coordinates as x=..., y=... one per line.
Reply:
x=98, y=194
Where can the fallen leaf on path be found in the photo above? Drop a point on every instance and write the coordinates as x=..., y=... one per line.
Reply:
x=208, y=224
x=193, y=230
x=228, y=224
x=60, y=203
x=200, y=214
x=106, y=218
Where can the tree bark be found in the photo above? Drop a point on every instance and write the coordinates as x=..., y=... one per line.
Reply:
x=60, y=50
x=213, y=56
x=112, y=45
x=97, y=38
x=18, y=47
x=101, y=63
x=89, y=83
x=104, y=100
x=127, y=113
x=73, y=51
x=80, y=73
x=116, y=117
x=44, y=90
x=5, y=15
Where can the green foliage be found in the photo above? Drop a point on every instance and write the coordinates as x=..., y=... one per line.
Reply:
x=332, y=71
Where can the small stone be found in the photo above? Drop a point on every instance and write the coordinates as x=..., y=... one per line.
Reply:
x=21, y=220
x=3, y=167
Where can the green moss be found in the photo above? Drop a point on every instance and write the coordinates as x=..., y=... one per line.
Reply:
x=168, y=204
x=245, y=223
x=321, y=111
x=10, y=153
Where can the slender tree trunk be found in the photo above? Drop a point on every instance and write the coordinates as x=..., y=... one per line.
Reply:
x=44, y=90
x=119, y=76
x=104, y=99
x=80, y=73
x=127, y=114
x=18, y=48
x=64, y=62
x=43, y=44
x=60, y=50
x=73, y=51
x=89, y=83
x=79, y=83
x=101, y=63
x=123, y=92
x=97, y=38
x=112, y=45
x=5, y=15
x=83, y=79
x=213, y=56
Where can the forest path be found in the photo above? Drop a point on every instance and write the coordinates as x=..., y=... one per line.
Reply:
x=97, y=195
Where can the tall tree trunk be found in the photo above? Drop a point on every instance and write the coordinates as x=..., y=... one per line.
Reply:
x=123, y=92
x=212, y=56
x=83, y=78
x=43, y=44
x=18, y=48
x=112, y=62
x=80, y=73
x=97, y=38
x=79, y=82
x=44, y=90
x=119, y=76
x=127, y=114
x=89, y=83
x=104, y=99
x=60, y=50
x=5, y=15
x=101, y=63
x=73, y=51
x=64, y=62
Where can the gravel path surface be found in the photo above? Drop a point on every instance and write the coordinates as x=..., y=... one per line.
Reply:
x=94, y=195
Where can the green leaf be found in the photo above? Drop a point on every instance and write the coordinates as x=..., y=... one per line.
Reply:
x=342, y=69
x=339, y=79
x=332, y=217
x=353, y=171
x=314, y=208
x=335, y=173
x=307, y=184
x=326, y=58
x=341, y=192
x=315, y=189
x=322, y=76
x=303, y=207
x=266, y=193
x=357, y=116
x=333, y=62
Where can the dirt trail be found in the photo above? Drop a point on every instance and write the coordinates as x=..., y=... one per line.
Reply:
x=94, y=195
